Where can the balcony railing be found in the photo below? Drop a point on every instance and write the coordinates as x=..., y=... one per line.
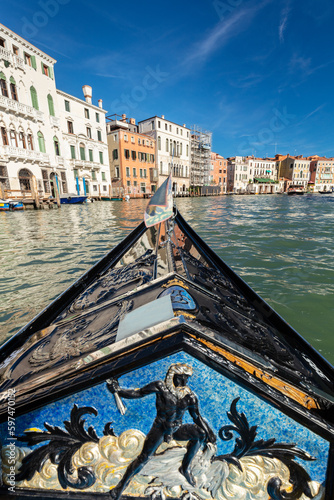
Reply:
x=86, y=164
x=20, y=109
x=55, y=122
x=11, y=152
x=17, y=61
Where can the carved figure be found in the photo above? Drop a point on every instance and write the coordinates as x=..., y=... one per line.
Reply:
x=173, y=399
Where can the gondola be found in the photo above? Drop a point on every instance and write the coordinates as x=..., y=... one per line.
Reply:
x=161, y=374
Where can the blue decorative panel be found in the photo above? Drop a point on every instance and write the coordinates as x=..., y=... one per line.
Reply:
x=218, y=465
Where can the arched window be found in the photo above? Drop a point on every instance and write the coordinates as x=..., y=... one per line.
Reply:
x=159, y=142
x=3, y=84
x=50, y=104
x=56, y=145
x=82, y=151
x=41, y=142
x=34, y=100
x=167, y=146
x=22, y=140
x=13, y=90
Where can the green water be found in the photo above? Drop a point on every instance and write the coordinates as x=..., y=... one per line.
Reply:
x=282, y=246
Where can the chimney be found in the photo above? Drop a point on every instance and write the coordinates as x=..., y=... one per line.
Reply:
x=184, y=125
x=87, y=92
x=163, y=117
x=100, y=103
x=133, y=121
x=123, y=117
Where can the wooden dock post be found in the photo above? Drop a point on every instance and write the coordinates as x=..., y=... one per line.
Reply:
x=34, y=192
x=57, y=192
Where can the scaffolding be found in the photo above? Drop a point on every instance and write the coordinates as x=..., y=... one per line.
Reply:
x=200, y=157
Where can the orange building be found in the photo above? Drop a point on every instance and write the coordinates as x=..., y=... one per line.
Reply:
x=322, y=173
x=219, y=171
x=132, y=159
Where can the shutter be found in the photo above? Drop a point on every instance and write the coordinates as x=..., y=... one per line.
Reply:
x=51, y=107
x=12, y=80
x=51, y=72
x=42, y=66
x=33, y=62
x=2, y=76
x=34, y=99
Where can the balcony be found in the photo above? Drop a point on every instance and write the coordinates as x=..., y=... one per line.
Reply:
x=21, y=109
x=90, y=165
x=55, y=122
x=60, y=161
x=16, y=61
x=26, y=155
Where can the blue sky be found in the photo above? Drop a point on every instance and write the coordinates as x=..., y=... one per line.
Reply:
x=257, y=73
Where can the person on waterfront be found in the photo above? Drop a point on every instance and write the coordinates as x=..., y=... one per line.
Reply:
x=173, y=399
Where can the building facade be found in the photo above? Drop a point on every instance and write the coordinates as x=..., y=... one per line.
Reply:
x=201, y=141
x=218, y=174
x=84, y=151
x=322, y=174
x=132, y=159
x=172, y=150
x=239, y=174
x=36, y=144
x=295, y=170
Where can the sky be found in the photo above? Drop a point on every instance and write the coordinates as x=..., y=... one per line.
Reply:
x=257, y=73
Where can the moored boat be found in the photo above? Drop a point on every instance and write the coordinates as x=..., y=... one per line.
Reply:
x=163, y=323
x=8, y=205
x=295, y=189
x=70, y=199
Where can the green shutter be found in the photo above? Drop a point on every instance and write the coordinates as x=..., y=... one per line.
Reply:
x=51, y=107
x=90, y=155
x=34, y=99
x=33, y=62
x=11, y=80
x=2, y=76
x=42, y=66
x=73, y=152
x=41, y=142
x=101, y=156
x=51, y=72
x=82, y=154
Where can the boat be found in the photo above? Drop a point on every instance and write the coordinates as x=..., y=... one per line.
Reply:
x=99, y=381
x=295, y=189
x=11, y=205
x=326, y=192
x=70, y=199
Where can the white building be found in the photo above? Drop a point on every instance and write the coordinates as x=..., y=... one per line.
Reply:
x=84, y=144
x=239, y=174
x=34, y=142
x=172, y=148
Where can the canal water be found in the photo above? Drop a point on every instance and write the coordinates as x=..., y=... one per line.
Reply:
x=282, y=246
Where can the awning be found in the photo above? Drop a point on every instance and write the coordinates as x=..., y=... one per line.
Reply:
x=261, y=180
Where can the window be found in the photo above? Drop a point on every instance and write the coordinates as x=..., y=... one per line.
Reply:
x=177, y=130
x=99, y=135
x=101, y=157
x=50, y=104
x=70, y=127
x=90, y=152
x=4, y=136
x=34, y=99
x=41, y=142
x=97, y=116
x=141, y=172
x=13, y=90
x=103, y=176
x=27, y=59
x=125, y=137
x=82, y=152
x=117, y=172
x=89, y=132
x=127, y=171
x=93, y=175
x=67, y=105
x=152, y=125
x=187, y=150
x=45, y=69
x=13, y=138
x=142, y=187
x=159, y=142
x=134, y=172
x=145, y=172
x=30, y=142
x=72, y=152
x=181, y=148
x=166, y=126
x=139, y=141
x=104, y=188
x=75, y=173
x=126, y=153
x=56, y=146
x=3, y=85
x=132, y=139
x=2, y=43
x=128, y=183
x=170, y=128
x=86, y=113
x=135, y=183
x=181, y=131
x=115, y=154
x=22, y=140
x=167, y=148
x=159, y=124
x=133, y=155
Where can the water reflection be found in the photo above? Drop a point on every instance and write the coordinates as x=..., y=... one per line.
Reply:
x=282, y=246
